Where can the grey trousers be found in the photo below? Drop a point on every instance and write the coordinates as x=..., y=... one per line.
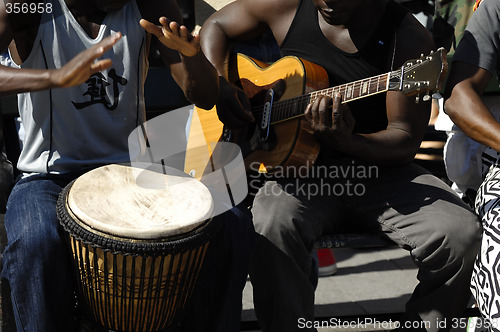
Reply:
x=412, y=207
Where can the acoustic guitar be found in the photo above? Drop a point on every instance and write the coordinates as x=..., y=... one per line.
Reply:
x=279, y=93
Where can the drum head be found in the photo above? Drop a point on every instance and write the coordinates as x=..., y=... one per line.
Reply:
x=136, y=203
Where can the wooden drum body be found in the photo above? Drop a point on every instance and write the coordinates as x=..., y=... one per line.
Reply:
x=137, y=251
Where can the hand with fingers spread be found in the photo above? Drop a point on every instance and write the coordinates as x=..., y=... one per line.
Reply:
x=233, y=106
x=81, y=67
x=174, y=36
x=332, y=124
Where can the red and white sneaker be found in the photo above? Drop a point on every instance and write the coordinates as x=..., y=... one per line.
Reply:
x=327, y=265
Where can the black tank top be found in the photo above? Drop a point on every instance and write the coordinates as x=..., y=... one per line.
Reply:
x=306, y=40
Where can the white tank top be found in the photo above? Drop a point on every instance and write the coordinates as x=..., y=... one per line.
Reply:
x=87, y=125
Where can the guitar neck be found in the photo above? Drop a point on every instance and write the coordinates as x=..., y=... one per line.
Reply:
x=295, y=107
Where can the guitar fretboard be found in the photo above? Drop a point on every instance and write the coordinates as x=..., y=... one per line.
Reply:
x=295, y=107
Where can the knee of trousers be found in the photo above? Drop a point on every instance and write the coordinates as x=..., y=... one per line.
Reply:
x=277, y=216
x=468, y=238
x=34, y=239
x=456, y=243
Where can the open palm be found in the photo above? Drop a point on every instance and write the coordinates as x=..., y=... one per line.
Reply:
x=174, y=36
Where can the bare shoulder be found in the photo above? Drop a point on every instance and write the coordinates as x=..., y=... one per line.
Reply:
x=280, y=16
x=268, y=9
x=255, y=15
x=412, y=40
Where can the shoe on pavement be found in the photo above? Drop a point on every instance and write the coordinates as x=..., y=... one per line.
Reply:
x=327, y=265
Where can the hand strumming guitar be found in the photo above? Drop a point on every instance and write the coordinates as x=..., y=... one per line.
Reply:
x=332, y=124
x=233, y=106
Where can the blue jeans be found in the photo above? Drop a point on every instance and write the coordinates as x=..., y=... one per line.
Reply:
x=38, y=267
x=36, y=262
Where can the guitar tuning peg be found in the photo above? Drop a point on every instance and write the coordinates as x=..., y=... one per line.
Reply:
x=417, y=99
x=427, y=97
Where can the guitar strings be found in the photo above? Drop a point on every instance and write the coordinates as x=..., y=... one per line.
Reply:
x=282, y=109
x=295, y=106
x=330, y=91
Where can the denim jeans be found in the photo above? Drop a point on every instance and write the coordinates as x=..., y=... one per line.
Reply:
x=38, y=268
x=36, y=263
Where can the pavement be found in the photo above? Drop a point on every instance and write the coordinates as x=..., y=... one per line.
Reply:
x=371, y=283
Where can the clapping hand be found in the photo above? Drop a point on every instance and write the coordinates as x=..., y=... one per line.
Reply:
x=84, y=65
x=174, y=36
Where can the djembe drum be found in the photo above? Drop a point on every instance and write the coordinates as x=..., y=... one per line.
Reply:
x=138, y=239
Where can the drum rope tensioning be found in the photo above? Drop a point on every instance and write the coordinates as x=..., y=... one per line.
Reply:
x=136, y=275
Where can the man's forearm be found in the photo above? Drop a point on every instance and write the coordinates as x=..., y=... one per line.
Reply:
x=469, y=113
x=15, y=80
x=201, y=84
x=387, y=147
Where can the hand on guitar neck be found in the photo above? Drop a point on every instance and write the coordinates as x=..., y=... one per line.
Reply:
x=332, y=124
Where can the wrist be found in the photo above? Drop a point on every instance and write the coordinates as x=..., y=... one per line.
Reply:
x=341, y=143
x=189, y=53
x=52, y=78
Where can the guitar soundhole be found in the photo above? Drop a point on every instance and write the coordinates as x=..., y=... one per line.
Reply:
x=251, y=129
x=248, y=139
x=253, y=134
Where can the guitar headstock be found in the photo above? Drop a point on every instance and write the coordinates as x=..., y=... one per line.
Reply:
x=422, y=75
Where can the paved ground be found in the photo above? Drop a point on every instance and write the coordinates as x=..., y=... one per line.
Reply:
x=368, y=281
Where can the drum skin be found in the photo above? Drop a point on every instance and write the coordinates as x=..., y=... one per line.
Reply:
x=132, y=284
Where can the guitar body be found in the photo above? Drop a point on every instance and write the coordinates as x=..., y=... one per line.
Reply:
x=279, y=94
x=291, y=142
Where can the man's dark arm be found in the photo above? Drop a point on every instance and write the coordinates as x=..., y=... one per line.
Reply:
x=464, y=105
x=15, y=80
x=181, y=52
